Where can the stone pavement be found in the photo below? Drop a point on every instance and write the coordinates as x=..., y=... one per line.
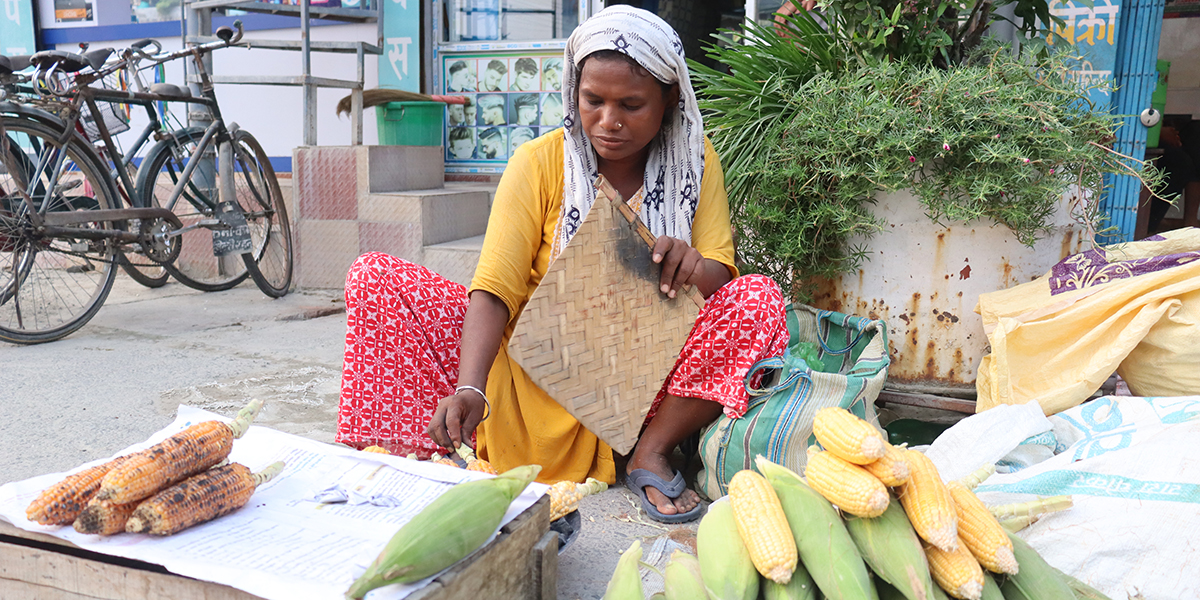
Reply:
x=122, y=376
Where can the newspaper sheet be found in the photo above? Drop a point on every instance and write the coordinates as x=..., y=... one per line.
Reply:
x=281, y=545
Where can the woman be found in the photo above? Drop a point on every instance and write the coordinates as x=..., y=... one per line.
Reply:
x=414, y=337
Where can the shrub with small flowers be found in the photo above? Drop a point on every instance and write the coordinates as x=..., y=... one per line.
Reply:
x=808, y=145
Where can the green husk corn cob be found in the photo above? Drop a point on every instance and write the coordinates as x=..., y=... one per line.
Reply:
x=887, y=592
x=991, y=589
x=890, y=546
x=725, y=565
x=825, y=547
x=681, y=578
x=446, y=531
x=800, y=587
x=1037, y=580
x=1082, y=590
x=626, y=582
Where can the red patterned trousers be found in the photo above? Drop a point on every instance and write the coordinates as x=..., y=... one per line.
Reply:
x=404, y=323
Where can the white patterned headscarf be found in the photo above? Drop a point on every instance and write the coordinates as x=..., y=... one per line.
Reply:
x=676, y=162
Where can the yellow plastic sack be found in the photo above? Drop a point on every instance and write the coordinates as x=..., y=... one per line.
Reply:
x=1133, y=308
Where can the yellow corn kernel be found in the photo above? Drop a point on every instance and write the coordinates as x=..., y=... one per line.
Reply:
x=565, y=495
x=981, y=532
x=762, y=526
x=376, y=450
x=198, y=499
x=957, y=572
x=928, y=504
x=847, y=436
x=474, y=463
x=845, y=485
x=891, y=468
x=104, y=518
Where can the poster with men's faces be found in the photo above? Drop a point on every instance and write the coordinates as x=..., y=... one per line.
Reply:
x=510, y=99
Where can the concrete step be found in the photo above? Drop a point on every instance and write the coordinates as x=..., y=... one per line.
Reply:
x=455, y=260
x=443, y=214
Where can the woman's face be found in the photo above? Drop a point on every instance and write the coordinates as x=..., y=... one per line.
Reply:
x=620, y=111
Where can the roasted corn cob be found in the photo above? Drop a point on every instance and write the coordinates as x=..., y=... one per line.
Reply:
x=847, y=436
x=848, y=486
x=891, y=468
x=928, y=504
x=104, y=518
x=725, y=564
x=826, y=551
x=763, y=527
x=174, y=459
x=956, y=572
x=565, y=495
x=451, y=527
x=198, y=499
x=981, y=532
x=61, y=503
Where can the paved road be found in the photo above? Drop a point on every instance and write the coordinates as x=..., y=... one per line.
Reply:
x=122, y=377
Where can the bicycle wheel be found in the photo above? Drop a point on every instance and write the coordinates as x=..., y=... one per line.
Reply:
x=196, y=266
x=50, y=286
x=140, y=267
x=270, y=263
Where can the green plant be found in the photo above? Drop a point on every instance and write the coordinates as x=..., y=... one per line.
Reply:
x=942, y=33
x=810, y=132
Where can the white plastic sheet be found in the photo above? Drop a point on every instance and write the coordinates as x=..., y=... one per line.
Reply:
x=1132, y=466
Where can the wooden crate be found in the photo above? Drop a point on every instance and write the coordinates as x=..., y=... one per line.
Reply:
x=35, y=566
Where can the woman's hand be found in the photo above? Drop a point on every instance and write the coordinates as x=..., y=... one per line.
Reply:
x=455, y=419
x=681, y=264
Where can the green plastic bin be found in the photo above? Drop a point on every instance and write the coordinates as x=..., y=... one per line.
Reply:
x=1158, y=100
x=410, y=123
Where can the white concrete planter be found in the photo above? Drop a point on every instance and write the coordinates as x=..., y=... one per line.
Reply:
x=925, y=279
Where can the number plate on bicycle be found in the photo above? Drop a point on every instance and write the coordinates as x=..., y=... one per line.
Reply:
x=233, y=237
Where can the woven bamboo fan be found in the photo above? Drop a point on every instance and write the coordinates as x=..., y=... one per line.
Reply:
x=597, y=335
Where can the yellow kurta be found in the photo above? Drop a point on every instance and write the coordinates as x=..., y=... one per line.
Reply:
x=526, y=425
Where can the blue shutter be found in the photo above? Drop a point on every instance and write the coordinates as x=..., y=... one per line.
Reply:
x=1135, y=74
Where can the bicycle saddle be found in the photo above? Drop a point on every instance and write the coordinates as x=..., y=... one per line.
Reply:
x=12, y=64
x=69, y=61
x=170, y=89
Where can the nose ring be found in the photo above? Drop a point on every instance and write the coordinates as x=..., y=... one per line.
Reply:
x=620, y=125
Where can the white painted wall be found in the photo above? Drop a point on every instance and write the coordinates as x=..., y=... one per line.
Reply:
x=1180, y=44
x=274, y=114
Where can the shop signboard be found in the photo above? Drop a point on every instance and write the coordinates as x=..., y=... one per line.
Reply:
x=16, y=27
x=1091, y=28
x=400, y=68
x=512, y=97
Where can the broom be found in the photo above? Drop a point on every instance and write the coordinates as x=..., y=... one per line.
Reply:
x=379, y=96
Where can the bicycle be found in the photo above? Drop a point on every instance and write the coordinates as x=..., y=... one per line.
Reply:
x=56, y=237
x=13, y=89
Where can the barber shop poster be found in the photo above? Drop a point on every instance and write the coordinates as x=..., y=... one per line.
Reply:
x=1091, y=28
x=511, y=99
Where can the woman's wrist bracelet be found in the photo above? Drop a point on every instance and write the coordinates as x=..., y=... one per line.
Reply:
x=486, y=404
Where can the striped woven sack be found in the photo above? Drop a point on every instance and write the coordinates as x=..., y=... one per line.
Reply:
x=853, y=361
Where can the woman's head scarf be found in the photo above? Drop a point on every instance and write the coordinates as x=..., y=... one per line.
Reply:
x=676, y=161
